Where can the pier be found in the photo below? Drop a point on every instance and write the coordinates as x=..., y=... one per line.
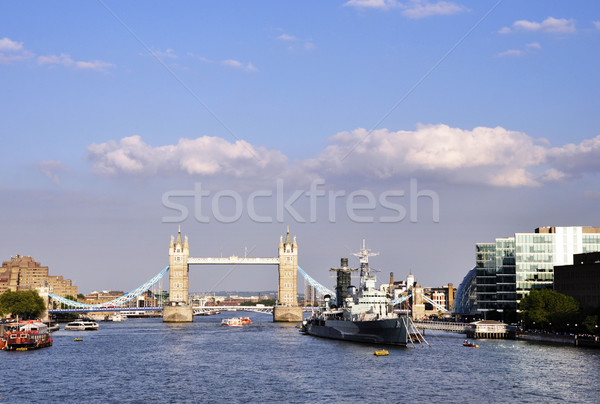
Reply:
x=460, y=328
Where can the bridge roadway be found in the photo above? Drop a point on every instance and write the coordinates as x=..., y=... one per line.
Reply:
x=233, y=260
x=263, y=309
x=442, y=326
x=197, y=309
x=104, y=309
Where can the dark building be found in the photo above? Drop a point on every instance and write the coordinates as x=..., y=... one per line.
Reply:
x=580, y=280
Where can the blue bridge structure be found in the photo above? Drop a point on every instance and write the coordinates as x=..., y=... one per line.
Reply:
x=121, y=303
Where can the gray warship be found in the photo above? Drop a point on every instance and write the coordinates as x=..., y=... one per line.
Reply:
x=363, y=315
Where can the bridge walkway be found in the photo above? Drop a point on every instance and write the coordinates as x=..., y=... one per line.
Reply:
x=442, y=326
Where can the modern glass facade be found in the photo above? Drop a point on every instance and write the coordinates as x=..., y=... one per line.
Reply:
x=505, y=274
x=465, y=300
x=485, y=269
x=511, y=267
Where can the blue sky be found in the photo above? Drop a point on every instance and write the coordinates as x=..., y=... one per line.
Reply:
x=492, y=105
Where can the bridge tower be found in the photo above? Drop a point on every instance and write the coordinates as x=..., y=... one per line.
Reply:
x=287, y=309
x=177, y=309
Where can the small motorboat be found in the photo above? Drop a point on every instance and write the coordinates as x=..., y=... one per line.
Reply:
x=232, y=322
x=81, y=325
x=470, y=344
x=381, y=352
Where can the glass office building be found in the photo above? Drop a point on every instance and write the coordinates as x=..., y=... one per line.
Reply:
x=465, y=300
x=511, y=267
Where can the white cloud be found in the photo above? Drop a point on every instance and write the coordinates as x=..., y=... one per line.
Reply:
x=533, y=45
x=549, y=25
x=381, y=4
x=62, y=59
x=167, y=54
x=510, y=52
x=51, y=169
x=574, y=160
x=420, y=9
x=249, y=67
x=67, y=61
x=200, y=58
x=483, y=156
x=204, y=156
x=491, y=156
x=286, y=37
x=412, y=8
x=7, y=59
x=6, y=44
x=93, y=65
x=12, y=51
x=597, y=24
x=295, y=43
x=553, y=175
x=528, y=48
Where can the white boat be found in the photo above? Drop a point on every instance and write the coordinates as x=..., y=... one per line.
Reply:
x=232, y=322
x=81, y=325
x=116, y=317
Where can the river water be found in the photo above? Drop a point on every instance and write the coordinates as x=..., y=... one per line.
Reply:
x=144, y=360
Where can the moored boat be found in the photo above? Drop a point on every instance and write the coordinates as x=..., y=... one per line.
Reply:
x=366, y=315
x=116, y=317
x=81, y=325
x=27, y=335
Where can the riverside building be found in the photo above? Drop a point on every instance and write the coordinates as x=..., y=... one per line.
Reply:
x=509, y=268
x=580, y=280
x=25, y=273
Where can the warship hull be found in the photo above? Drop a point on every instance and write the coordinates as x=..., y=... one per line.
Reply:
x=388, y=331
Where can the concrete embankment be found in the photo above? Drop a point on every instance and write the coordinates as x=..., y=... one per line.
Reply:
x=560, y=339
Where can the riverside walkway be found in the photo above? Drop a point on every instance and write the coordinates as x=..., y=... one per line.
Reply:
x=442, y=326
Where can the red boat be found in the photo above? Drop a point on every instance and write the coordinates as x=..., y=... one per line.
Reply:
x=469, y=344
x=27, y=335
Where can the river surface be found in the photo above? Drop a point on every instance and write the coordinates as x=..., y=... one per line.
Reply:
x=145, y=360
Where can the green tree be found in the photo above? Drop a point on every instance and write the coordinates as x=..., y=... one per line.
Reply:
x=80, y=296
x=26, y=304
x=546, y=308
x=70, y=297
x=590, y=324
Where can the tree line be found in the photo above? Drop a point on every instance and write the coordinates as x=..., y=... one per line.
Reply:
x=546, y=309
x=26, y=304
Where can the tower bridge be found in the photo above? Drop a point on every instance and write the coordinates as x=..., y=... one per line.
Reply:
x=178, y=308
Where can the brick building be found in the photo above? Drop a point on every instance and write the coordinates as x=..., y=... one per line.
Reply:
x=24, y=273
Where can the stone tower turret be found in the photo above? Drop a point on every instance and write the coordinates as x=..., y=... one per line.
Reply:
x=288, y=270
x=179, y=253
x=177, y=309
x=287, y=309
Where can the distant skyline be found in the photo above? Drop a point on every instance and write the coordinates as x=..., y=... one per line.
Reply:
x=109, y=109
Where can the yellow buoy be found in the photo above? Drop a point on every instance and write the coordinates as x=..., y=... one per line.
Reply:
x=381, y=352
x=78, y=339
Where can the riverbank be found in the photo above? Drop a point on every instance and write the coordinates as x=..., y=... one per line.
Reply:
x=573, y=340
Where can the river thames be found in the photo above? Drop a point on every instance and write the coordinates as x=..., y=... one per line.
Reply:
x=144, y=360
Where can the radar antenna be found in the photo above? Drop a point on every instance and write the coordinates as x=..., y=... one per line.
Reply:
x=363, y=257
